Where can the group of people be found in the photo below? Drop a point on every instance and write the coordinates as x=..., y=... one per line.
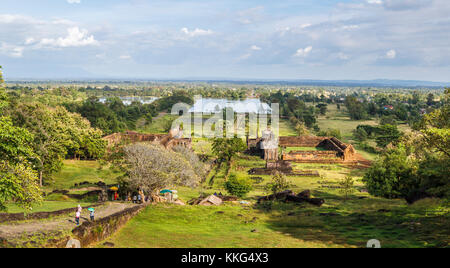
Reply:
x=78, y=214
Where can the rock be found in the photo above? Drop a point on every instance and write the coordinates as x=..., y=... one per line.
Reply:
x=108, y=244
x=73, y=243
x=314, y=201
x=305, y=194
x=331, y=214
x=384, y=210
x=281, y=195
x=179, y=202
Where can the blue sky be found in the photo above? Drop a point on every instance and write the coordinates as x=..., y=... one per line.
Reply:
x=158, y=39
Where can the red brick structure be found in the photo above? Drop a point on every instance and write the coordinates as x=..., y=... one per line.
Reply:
x=334, y=151
x=133, y=137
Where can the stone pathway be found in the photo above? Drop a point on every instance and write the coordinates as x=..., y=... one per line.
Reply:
x=61, y=223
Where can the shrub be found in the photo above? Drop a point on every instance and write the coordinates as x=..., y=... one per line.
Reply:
x=278, y=184
x=238, y=186
x=346, y=187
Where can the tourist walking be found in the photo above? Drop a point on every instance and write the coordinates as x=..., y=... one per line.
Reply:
x=77, y=217
x=92, y=214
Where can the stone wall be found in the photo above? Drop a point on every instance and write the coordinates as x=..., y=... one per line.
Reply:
x=134, y=137
x=301, y=141
x=131, y=137
x=310, y=155
x=11, y=217
x=99, y=230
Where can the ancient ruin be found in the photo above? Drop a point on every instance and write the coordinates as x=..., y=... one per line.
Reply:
x=170, y=140
x=327, y=150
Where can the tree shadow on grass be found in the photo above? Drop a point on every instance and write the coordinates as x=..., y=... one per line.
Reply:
x=354, y=223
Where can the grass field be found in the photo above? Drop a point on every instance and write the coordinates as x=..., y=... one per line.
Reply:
x=80, y=171
x=46, y=206
x=338, y=223
x=285, y=225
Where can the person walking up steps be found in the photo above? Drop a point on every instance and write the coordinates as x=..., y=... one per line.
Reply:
x=77, y=217
x=92, y=214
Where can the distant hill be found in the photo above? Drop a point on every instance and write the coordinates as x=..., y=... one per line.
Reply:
x=337, y=83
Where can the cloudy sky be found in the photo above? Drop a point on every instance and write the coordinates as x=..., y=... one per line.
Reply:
x=254, y=39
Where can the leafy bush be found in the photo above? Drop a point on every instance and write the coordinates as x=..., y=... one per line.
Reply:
x=278, y=184
x=238, y=186
x=347, y=187
x=330, y=133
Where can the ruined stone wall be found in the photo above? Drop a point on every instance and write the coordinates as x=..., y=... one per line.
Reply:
x=330, y=145
x=91, y=232
x=131, y=137
x=134, y=137
x=301, y=141
x=311, y=155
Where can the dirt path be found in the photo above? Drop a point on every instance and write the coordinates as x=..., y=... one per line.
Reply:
x=61, y=223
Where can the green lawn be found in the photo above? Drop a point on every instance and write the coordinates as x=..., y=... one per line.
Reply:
x=337, y=223
x=80, y=171
x=283, y=225
x=46, y=206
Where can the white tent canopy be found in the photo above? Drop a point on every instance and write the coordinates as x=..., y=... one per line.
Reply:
x=240, y=106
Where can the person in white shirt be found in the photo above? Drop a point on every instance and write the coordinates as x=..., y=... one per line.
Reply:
x=77, y=217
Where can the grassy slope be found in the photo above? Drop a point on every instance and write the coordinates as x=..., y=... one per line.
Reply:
x=81, y=171
x=289, y=225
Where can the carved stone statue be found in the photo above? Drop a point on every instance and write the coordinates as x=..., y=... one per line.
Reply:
x=269, y=144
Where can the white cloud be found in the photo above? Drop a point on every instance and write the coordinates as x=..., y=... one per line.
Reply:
x=75, y=38
x=245, y=56
x=73, y=1
x=391, y=54
x=125, y=57
x=196, y=32
x=255, y=47
x=343, y=56
x=303, y=52
x=29, y=41
x=11, y=51
x=375, y=2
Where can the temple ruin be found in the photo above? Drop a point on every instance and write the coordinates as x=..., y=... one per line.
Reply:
x=327, y=150
x=170, y=140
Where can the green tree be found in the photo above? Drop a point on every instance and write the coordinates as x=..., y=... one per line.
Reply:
x=330, y=133
x=3, y=95
x=387, y=134
x=347, y=187
x=225, y=149
x=435, y=127
x=18, y=182
x=323, y=108
x=388, y=120
x=390, y=176
x=278, y=183
x=360, y=134
x=56, y=134
x=356, y=109
x=238, y=186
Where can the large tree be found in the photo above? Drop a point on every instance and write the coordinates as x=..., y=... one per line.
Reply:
x=18, y=181
x=57, y=133
x=151, y=167
x=225, y=149
x=419, y=165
